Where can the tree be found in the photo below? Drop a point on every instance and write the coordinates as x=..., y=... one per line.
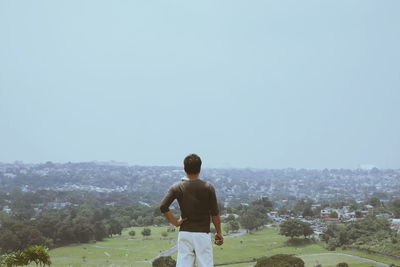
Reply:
x=37, y=254
x=100, y=231
x=300, y=206
x=8, y=241
x=248, y=222
x=227, y=228
x=16, y=258
x=292, y=228
x=279, y=260
x=115, y=227
x=334, y=214
x=232, y=226
x=125, y=221
x=307, y=230
x=29, y=236
x=307, y=212
x=159, y=220
x=132, y=233
x=230, y=217
x=65, y=233
x=263, y=204
x=396, y=207
x=254, y=217
x=83, y=232
x=146, y=232
x=48, y=226
x=375, y=202
x=164, y=262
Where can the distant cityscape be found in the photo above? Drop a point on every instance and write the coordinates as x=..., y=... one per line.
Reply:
x=59, y=204
x=234, y=186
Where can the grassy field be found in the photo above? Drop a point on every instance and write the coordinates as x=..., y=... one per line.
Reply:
x=116, y=250
x=266, y=242
x=124, y=250
x=333, y=260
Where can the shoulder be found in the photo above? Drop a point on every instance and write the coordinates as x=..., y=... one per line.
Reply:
x=209, y=186
x=174, y=190
x=174, y=187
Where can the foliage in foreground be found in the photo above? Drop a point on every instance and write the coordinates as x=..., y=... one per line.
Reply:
x=36, y=254
x=164, y=262
x=280, y=260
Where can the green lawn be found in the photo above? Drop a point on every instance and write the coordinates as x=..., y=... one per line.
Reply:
x=116, y=249
x=324, y=260
x=266, y=242
x=369, y=256
x=120, y=251
x=333, y=260
x=95, y=264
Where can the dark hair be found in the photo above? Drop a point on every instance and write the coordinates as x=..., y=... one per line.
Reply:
x=192, y=164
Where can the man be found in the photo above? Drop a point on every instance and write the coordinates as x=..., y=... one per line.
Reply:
x=197, y=202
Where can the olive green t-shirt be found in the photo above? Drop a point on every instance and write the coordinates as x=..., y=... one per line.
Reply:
x=197, y=201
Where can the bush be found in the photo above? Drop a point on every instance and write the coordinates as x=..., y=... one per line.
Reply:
x=280, y=260
x=342, y=264
x=36, y=254
x=332, y=244
x=146, y=232
x=164, y=262
x=132, y=233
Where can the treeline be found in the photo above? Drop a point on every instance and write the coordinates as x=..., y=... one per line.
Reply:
x=364, y=233
x=73, y=224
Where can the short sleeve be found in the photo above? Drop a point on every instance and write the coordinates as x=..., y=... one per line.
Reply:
x=214, y=210
x=168, y=199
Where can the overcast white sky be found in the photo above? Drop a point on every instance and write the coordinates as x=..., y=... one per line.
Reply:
x=268, y=84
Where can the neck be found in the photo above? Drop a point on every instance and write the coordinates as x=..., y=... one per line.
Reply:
x=192, y=176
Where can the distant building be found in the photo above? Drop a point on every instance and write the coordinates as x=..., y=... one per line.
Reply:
x=59, y=205
x=6, y=209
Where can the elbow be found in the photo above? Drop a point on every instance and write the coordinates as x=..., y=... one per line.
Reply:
x=164, y=209
x=214, y=213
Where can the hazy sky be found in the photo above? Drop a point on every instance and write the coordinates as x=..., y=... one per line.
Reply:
x=268, y=84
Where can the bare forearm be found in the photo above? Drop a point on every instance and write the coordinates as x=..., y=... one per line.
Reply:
x=170, y=217
x=217, y=223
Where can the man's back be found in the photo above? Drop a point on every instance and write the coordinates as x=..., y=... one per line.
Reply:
x=197, y=202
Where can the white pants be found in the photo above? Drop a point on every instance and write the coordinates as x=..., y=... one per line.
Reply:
x=194, y=245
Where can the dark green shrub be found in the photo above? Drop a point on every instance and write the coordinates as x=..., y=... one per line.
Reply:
x=164, y=262
x=280, y=260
